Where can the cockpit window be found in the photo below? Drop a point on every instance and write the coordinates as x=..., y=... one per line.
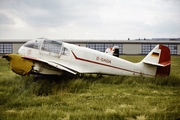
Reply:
x=51, y=46
x=33, y=44
x=65, y=51
x=37, y=44
x=29, y=44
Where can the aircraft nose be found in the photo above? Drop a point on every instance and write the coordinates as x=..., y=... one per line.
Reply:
x=21, y=51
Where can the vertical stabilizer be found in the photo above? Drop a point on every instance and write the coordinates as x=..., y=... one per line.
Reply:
x=159, y=57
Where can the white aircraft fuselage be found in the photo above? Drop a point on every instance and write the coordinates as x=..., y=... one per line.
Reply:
x=56, y=57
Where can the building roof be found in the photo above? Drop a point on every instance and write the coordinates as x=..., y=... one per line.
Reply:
x=86, y=41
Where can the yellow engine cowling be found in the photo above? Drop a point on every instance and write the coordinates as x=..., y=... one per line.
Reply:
x=19, y=65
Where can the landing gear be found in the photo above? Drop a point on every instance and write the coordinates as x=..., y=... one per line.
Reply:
x=80, y=75
x=99, y=75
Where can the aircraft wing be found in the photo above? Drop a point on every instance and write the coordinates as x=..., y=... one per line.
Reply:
x=52, y=63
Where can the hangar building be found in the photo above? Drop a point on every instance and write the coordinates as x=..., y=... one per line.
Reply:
x=126, y=47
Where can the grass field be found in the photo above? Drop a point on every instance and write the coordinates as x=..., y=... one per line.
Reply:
x=109, y=97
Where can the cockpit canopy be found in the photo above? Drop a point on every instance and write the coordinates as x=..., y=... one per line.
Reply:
x=45, y=45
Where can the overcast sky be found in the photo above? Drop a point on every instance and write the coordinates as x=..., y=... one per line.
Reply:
x=89, y=19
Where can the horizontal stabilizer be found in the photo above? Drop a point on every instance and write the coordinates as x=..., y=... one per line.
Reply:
x=164, y=64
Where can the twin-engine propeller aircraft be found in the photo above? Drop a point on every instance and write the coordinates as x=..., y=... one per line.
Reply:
x=50, y=57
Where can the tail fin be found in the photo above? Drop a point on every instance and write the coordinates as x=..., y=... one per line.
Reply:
x=160, y=57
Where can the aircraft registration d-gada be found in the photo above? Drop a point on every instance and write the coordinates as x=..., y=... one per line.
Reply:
x=51, y=57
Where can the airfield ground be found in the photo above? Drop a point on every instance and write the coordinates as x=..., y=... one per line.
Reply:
x=109, y=97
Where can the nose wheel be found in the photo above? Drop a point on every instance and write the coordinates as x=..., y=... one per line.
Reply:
x=80, y=75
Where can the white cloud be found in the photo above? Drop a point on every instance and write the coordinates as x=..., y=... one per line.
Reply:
x=96, y=19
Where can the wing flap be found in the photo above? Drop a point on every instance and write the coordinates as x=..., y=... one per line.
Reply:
x=60, y=67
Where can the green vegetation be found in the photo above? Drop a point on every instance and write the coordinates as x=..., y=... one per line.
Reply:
x=108, y=97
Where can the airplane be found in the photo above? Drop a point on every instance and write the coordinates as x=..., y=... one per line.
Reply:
x=51, y=57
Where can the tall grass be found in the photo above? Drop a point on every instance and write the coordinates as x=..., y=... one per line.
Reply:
x=90, y=97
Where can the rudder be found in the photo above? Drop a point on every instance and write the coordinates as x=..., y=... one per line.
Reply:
x=160, y=57
x=165, y=59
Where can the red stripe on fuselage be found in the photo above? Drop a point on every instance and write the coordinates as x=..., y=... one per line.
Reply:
x=90, y=61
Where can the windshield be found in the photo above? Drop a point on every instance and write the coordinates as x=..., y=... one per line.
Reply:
x=51, y=46
x=33, y=44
